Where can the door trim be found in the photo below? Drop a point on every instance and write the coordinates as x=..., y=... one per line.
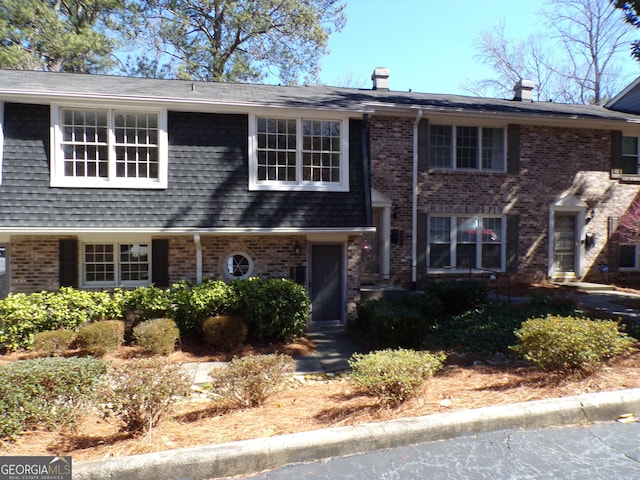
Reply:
x=568, y=204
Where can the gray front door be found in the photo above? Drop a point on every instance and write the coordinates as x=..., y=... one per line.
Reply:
x=327, y=298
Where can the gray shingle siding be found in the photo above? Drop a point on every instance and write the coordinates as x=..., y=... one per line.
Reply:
x=208, y=183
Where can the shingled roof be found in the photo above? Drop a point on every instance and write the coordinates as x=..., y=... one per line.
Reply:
x=176, y=92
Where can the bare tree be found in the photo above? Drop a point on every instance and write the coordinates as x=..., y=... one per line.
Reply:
x=576, y=60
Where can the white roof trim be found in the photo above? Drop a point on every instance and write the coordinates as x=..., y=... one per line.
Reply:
x=181, y=231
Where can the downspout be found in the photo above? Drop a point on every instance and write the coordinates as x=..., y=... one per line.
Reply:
x=414, y=204
x=366, y=173
x=196, y=240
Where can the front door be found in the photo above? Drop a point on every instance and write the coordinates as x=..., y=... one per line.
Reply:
x=327, y=280
x=564, y=243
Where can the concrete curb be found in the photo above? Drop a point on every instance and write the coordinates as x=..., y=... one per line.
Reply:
x=249, y=456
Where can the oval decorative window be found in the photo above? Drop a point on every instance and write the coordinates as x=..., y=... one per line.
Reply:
x=238, y=266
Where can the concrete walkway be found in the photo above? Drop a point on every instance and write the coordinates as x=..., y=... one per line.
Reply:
x=334, y=348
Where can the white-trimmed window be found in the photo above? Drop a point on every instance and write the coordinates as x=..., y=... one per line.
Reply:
x=115, y=264
x=467, y=148
x=109, y=148
x=237, y=266
x=298, y=154
x=630, y=156
x=466, y=242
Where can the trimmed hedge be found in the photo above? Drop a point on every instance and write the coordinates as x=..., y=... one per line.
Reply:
x=101, y=337
x=158, y=336
x=393, y=376
x=559, y=344
x=46, y=392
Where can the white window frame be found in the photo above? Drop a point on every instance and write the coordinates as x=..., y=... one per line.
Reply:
x=478, y=244
x=636, y=155
x=453, y=147
x=58, y=178
x=225, y=268
x=299, y=184
x=117, y=266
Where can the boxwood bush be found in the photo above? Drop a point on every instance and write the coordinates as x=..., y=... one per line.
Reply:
x=46, y=392
x=558, y=343
x=393, y=376
x=224, y=332
x=101, y=337
x=53, y=342
x=158, y=336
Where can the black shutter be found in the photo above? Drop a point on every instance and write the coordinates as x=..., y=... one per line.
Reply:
x=616, y=154
x=68, y=262
x=421, y=243
x=613, y=253
x=160, y=262
x=513, y=223
x=423, y=145
x=513, y=149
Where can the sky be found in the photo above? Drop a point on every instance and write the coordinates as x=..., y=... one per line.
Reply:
x=427, y=45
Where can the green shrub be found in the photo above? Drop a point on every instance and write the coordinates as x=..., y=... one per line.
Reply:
x=273, y=309
x=141, y=393
x=224, y=332
x=489, y=329
x=53, y=342
x=393, y=376
x=557, y=343
x=193, y=303
x=46, y=392
x=250, y=380
x=158, y=336
x=459, y=295
x=25, y=315
x=146, y=303
x=101, y=337
x=398, y=322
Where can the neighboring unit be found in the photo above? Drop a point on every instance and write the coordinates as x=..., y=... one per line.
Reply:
x=108, y=181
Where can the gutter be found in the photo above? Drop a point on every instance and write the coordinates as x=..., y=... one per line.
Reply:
x=414, y=204
x=196, y=240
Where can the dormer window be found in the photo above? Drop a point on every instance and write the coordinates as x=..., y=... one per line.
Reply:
x=109, y=148
x=298, y=154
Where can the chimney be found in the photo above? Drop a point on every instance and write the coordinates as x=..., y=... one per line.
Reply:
x=523, y=91
x=380, y=77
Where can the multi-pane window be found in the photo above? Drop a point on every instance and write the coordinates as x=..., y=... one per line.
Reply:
x=111, y=264
x=299, y=153
x=466, y=148
x=630, y=155
x=466, y=242
x=109, y=148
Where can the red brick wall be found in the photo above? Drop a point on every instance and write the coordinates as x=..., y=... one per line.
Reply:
x=554, y=162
